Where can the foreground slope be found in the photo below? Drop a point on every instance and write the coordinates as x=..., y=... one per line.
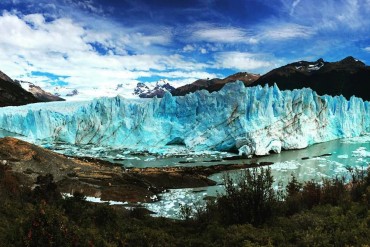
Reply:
x=251, y=120
x=94, y=177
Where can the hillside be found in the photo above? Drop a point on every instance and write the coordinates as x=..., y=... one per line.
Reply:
x=215, y=84
x=39, y=93
x=11, y=94
x=346, y=77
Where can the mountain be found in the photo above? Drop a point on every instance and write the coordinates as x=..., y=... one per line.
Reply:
x=65, y=92
x=215, y=84
x=12, y=94
x=144, y=90
x=38, y=92
x=346, y=77
x=249, y=120
x=127, y=90
x=4, y=77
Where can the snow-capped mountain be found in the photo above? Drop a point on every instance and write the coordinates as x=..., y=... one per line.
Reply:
x=38, y=92
x=346, y=77
x=252, y=120
x=64, y=92
x=150, y=90
x=126, y=90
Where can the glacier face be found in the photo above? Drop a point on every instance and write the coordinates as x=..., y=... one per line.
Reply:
x=253, y=120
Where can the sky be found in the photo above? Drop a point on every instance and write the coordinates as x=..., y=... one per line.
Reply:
x=102, y=43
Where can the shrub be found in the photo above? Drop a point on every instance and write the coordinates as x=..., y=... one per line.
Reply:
x=46, y=189
x=333, y=191
x=186, y=211
x=48, y=227
x=251, y=200
x=311, y=194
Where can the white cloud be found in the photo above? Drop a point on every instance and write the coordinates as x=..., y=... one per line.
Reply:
x=367, y=49
x=188, y=48
x=271, y=30
x=190, y=74
x=65, y=47
x=37, y=20
x=220, y=35
x=203, y=50
x=294, y=5
x=330, y=14
x=284, y=31
x=209, y=33
x=241, y=61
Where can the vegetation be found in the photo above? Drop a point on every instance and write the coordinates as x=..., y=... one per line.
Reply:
x=250, y=213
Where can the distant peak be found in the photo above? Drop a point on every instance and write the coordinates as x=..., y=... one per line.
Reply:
x=5, y=77
x=351, y=60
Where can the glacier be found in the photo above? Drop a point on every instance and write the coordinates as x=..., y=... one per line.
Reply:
x=248, y=120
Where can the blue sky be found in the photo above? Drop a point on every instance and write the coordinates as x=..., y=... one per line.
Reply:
x=103, y=43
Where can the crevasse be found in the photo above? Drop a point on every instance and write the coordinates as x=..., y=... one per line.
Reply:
x=253, y=120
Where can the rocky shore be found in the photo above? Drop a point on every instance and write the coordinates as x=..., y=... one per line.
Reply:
x=102, y=179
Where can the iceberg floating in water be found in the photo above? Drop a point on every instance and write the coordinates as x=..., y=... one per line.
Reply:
x=253, y=120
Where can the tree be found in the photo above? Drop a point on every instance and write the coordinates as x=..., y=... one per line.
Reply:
x=293, y=199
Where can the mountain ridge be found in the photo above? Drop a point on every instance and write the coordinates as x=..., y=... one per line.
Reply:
x=38, y=92
x=12, y=94
x=215, y=84
x=346, y=77
x=144, y=90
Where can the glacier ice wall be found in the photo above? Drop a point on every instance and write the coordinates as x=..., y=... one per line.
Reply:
x=253, y=120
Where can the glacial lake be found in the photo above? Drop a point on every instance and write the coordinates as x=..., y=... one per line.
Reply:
x=323, y=160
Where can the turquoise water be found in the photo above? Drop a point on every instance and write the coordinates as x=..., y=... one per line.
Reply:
x=4, y=133
x=336, y=151
x=338, y=155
